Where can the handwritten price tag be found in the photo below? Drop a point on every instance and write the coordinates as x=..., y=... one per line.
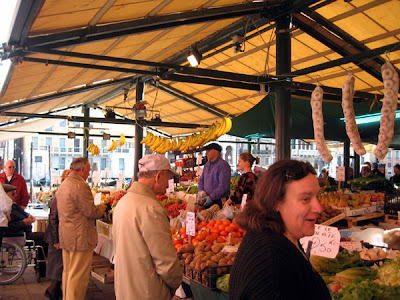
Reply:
x=244, y=201
x=190, y=223
x=170, y=188
x=97, y=199
x=325, y=241
x=351, y=246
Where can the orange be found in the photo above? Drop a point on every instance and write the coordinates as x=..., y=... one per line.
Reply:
x=223, y=233
x=219, y=222
x=182, y=230
x=221, y=227
x=228, y=229
x=234, y=226
x=195, y=242
x=212, y=222
x=226, y=222
x=221, y=239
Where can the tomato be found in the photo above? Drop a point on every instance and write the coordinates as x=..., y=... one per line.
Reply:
x=182, y=230
x=226, y=222
x=177, y=241
x=221, y=239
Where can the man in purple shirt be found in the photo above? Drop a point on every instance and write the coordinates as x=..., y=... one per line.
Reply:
x=214, y=183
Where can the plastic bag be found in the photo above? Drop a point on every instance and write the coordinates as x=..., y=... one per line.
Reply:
x=226, y=213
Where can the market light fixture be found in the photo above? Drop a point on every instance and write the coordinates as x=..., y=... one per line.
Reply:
x=371, y=118
x=194, y=56
x=71, y=135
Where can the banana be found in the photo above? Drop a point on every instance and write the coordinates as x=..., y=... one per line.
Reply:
x=179, y=145
x=228, y=125
x=113, y=146
x=166, y=146
x=146, y=139
x=160, y=146
x=90, y=147
x=121, y=140
x=157, y=142
x=95, y=150
x=151, y=140
x=221, y=128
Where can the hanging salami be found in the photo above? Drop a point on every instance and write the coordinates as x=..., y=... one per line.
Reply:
x=318, y=123
x=348, y=112
x=388, y=111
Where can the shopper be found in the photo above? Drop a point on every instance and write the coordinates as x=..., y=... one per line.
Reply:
x=247, y=181
x=214, y=183
x=54, y=256
x=77, y=230
x=10, y=177
x=396, y=177
x=21, y=222
x=146, y=264
x=270, y=263
x=5, y=210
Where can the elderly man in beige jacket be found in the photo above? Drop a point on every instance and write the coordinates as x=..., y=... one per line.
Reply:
x=77, y=229
x=146, y=264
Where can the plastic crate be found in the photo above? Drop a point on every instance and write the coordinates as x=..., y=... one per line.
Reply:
x=392, y=203
x=207, y=277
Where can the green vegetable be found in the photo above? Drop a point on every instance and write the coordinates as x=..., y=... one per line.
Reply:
x=223, y=283
x=346, y=277
x=367, y=290
x=389, y=273
x=343, y=260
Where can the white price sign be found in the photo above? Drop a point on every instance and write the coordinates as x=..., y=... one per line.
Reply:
x=190, y=223
x=244, y=201
x=340, y=173
x=325, y=241
x=351, y=246
x=199, y=159
x=170, y=188
x=97, y=199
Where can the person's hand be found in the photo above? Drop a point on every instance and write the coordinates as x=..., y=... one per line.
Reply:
x=102, y=207
x=201, y=198
x=228, y=202
x=57, y=246
x=32, y=218
x=28, y=221
x=208, y=202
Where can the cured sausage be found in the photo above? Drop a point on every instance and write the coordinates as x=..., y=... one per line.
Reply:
x=318, y=123
x=348, y=112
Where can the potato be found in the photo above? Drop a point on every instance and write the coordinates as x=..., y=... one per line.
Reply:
x=184, y=255
x=207, y=248
x=203, y=266
x=186, y=248
x=198, y=265
x=210, y=263
x=217, y=247
x=223, y=262
x=215, y=258
x=189, y=259
x=232, y=254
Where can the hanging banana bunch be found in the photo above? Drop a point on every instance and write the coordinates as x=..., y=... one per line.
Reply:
x=191, y=142
x=113, y=146
x=121, y=140
x=93, y=149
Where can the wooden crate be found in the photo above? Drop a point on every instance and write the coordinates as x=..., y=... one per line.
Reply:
x=103, y=274
x=352, y=221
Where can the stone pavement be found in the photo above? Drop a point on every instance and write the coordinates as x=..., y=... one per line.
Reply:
x=27, y=288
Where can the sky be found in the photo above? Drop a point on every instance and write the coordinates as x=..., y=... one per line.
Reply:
x=6, y=16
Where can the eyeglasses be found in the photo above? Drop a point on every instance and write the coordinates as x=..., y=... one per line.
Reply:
x=299, y=171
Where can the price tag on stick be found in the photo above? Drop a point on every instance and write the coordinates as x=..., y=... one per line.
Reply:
x=170, y=188
x=244, y=201
x=325, y=241
x=97, y=199
x=190, y=223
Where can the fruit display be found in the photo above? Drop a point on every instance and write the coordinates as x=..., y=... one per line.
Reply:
x=173, y=205
x=93, y=149
x=386, y=129
x=348, y=112
x=327, y=214
x=161, y=145
x=318, y=124
x=377, y=183
x=353, y=200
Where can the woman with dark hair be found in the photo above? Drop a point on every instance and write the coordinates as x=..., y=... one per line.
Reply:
x=271, y=263
x=247, y=182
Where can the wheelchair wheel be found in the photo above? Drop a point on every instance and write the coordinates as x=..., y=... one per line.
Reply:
x=12, y=262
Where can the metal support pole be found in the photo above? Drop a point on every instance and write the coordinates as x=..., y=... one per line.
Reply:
x=283, y=94
x=86, y=124
x=356, y=165
x=138, y=130
x=31, y=173
x=346, y=159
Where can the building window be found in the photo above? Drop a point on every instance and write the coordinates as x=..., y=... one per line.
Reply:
x=77, y=124
x=63, y=123
x=62, y=145
x=49, y=141
x=38, y=159
x=103, y=163
x=49, y=128
x=77, y=143
x=121, y=164
x=397, y=154
x=35, y=143
x=390, y=154
x=389, y=165
x=61, y=163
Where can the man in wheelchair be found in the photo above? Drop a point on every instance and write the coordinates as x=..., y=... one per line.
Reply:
x=21, y=222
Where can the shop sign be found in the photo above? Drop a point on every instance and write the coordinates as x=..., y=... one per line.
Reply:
x=324, y=242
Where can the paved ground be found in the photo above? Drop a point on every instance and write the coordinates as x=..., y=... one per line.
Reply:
x=27, y=288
